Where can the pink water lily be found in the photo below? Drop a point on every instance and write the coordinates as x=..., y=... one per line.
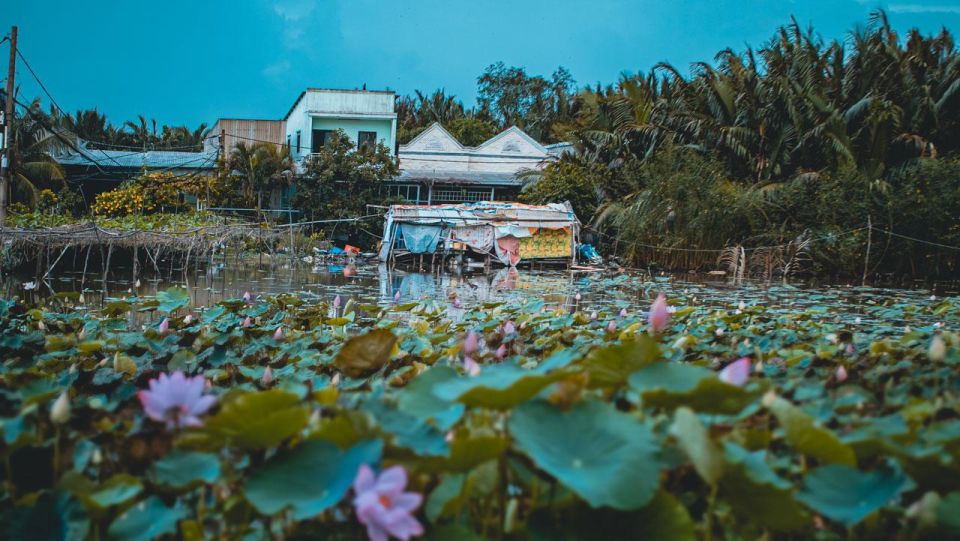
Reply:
x=471, y=343
x=176, y=400
x=383, y=506
x=736, y=373
x=659, y=315
x=164, y=326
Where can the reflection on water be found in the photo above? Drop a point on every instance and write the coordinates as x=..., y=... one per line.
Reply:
x=604, y=292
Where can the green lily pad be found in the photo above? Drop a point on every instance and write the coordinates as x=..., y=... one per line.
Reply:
x=497, y=386
x=610, y=366
x=848, y=495
x=180, y=469
x=116, y=490
x=673, y=384
x=808, y=437
x=171, y=299
x=363, y=355
x=54, y=516
x=310, y=478
x=695, y=441
x=418, y=398
x=605, y=456
x=146, y=520
x=253, y=421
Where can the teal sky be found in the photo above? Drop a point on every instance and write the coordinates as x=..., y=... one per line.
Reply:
x=194, y=61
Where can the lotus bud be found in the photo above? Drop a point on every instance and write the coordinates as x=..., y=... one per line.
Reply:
x=718, y=332
x=335, y=380
x=501, y=352
x=858, y=320
x=278, y=334
x=938, y=349
x=81, y=299
x=769, y=398
x=267, y=377
x=137, y=283
x=742, y=306
x=164, y=326
x=509, y=328
x=188, y=319
x=247, y=297
x=841, y=374
x=396, y=297
x=471, y=366
x=246, y=322
x=457, y=303
x=471, y=343
x=593, y=315
x=736, y=373
x=60, y=411
x=336, y=302
x=96, y=457
x=41, y=326
x=758, y=368
x=612, y=326
x=659, y=317
x=623, y=312
x=577, y=296
x=933, y=297
x=448, y=437
x=907, y=330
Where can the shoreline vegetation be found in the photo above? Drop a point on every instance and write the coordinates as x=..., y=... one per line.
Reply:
x=254, y=416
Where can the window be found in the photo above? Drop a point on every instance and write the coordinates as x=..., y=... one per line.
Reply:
x=288, y=141
x=367, y=140
x=407, y=192
x=298, y=141
x=460, y=195
x=321, y=138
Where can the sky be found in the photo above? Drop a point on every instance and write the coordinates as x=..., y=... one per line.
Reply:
x=193, y=61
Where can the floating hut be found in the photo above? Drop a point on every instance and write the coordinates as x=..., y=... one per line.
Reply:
x=490, y=231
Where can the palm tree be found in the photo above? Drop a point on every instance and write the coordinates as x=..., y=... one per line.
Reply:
x=261, y=166
x=32, y=165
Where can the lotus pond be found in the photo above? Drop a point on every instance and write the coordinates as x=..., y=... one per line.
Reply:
x=516, y=406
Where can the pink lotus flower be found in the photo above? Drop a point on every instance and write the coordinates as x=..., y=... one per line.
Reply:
x=471, y=343
x=841, y=374
x=612, y=326
x=176, y=400
x=278, y=334
x=246, y=322
x=164, y=326
x=623, y=312
x=383, y=506
x=471, y=366
x=509, y=328
x=736, y=373
x=501, y=352
x=659, y=316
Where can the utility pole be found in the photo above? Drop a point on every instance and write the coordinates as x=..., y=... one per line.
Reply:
x=5, y=173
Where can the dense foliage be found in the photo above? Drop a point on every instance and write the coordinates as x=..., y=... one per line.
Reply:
x=520, y=419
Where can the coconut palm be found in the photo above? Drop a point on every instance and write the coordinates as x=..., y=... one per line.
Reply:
x=261, y=166
x=32, y=165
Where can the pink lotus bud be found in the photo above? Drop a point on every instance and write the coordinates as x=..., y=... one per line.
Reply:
x=247, y=297
x=509, y=328
x=471, y=366
x=164, y=326
x=246, y=322
x=336, y=302
x=267, y=377
x=718, y=332
x=577, y=297
x=457, y=303
x=659, y=316
x=737, y=372
x=612, y=326
x=623, y=312
x=82, y=334
x=593, y=315
x=841, y=374
x=278, y=334
x=501, y=352
x=188, y=319
x=449, y=436
x=471, y=343
x=396, y=297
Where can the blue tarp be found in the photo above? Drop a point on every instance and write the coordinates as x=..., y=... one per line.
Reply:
x=420, y=239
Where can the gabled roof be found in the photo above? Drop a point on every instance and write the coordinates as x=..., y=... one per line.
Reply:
x=513, y=130
x=435, y=127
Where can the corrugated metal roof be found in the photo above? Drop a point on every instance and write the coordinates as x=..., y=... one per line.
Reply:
x=552, y=216
x=127, y=159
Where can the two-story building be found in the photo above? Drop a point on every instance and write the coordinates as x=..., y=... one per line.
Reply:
x=367, y=117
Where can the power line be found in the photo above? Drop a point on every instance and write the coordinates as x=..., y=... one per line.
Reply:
x=39, y=82
x=921, y=241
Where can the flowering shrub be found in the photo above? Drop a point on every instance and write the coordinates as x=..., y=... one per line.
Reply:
x=122, y=201
x=687, y=420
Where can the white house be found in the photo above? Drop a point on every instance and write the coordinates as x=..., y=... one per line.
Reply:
x=436, y=168
x=367, y=116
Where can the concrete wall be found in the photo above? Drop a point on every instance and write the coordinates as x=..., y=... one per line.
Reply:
x=436, y=150
x=350, y=110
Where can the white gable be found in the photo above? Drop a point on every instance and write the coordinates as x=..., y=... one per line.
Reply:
x=434, y=139
x=512, y=142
